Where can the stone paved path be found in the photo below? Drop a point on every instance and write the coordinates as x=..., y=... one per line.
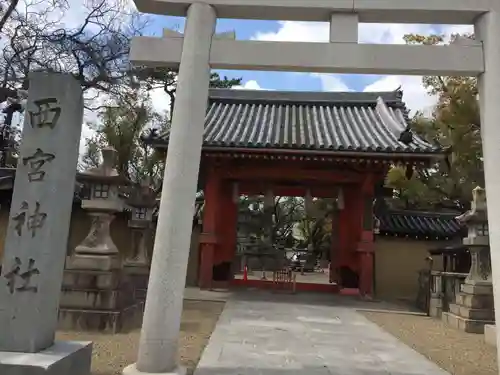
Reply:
x=274, y=337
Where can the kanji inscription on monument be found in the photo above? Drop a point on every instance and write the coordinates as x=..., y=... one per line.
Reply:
x=36, y=162
x=16, y=275
x=47, y=113
x=37, y=234
x=32, y=221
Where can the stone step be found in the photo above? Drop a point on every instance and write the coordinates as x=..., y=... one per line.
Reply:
x=89, y=279
x=94, y=299
x=490, y=334
x=139, y=281
x=475, y=301
x=108, y=321
x=476, y=314
x=477, y=289
x=464, y=324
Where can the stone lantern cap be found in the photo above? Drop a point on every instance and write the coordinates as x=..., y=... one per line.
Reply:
x=478, y=212
x=105, y=172
x=143, y=195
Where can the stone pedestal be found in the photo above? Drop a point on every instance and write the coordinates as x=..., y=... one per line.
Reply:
x=139, y=277
x=93, y=300
x=474, y=305
x=97, y=294
x=62, y=358
x=473, y=309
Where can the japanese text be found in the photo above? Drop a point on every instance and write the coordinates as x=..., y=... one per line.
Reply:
x=47, y=115
x=33, y=221
x=36, y=162
x=15, y=273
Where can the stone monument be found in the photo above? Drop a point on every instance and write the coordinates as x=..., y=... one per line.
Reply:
x=474, y=304
x=37, y=234
x=97, y=293
x=143, y=202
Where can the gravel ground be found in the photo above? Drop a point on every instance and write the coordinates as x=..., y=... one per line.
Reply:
x=457, y=352
x=113, y=352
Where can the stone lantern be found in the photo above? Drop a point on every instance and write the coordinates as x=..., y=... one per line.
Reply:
x=142, y=202
x=97, y=294
x=473, y=308
x=477, y=240
x=102, y=201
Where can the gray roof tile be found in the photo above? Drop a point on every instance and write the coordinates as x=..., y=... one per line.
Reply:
x=337, y=121
x=421, y=224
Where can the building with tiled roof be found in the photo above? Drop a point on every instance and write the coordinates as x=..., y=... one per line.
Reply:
x=336, y=145
x=421, y=225
x=329, y=123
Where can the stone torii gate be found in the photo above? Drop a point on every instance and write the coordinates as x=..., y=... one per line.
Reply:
x=197, y=51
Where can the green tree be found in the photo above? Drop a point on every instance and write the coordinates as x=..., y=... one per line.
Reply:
x=286, y=212
x=132, y=117
x=166, y=79
x=121, y=126
x=316, y=229
x=289, y=217
x=454, y=124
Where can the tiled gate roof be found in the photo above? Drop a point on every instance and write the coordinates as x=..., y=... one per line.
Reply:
x=336, y=121
x=419, y=224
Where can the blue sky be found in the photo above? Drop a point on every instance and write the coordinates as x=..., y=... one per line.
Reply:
x=415, y=95
x=248, y=29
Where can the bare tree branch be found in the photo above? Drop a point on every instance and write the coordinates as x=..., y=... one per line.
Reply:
x=10, y=9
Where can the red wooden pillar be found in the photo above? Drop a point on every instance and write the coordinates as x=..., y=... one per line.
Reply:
x=365, y=247
x=335, y=248
x=209, y=237
x=348, y=227
x=227, y=222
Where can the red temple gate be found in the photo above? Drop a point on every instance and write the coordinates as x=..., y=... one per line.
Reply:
x=294, y=143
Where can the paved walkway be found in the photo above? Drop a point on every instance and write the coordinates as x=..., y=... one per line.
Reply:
x=274, y=335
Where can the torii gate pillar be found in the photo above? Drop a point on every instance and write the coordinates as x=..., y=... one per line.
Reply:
x=162, y=315
x=487, y=30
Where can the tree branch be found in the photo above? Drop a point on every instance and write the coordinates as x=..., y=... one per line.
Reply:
x=10, y=9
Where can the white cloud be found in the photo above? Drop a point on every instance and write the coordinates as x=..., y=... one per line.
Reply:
x=160, y=100
x=87, y=132
x=415, y=95
x=250, y=85
x=291, y=31
x=331, y=82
